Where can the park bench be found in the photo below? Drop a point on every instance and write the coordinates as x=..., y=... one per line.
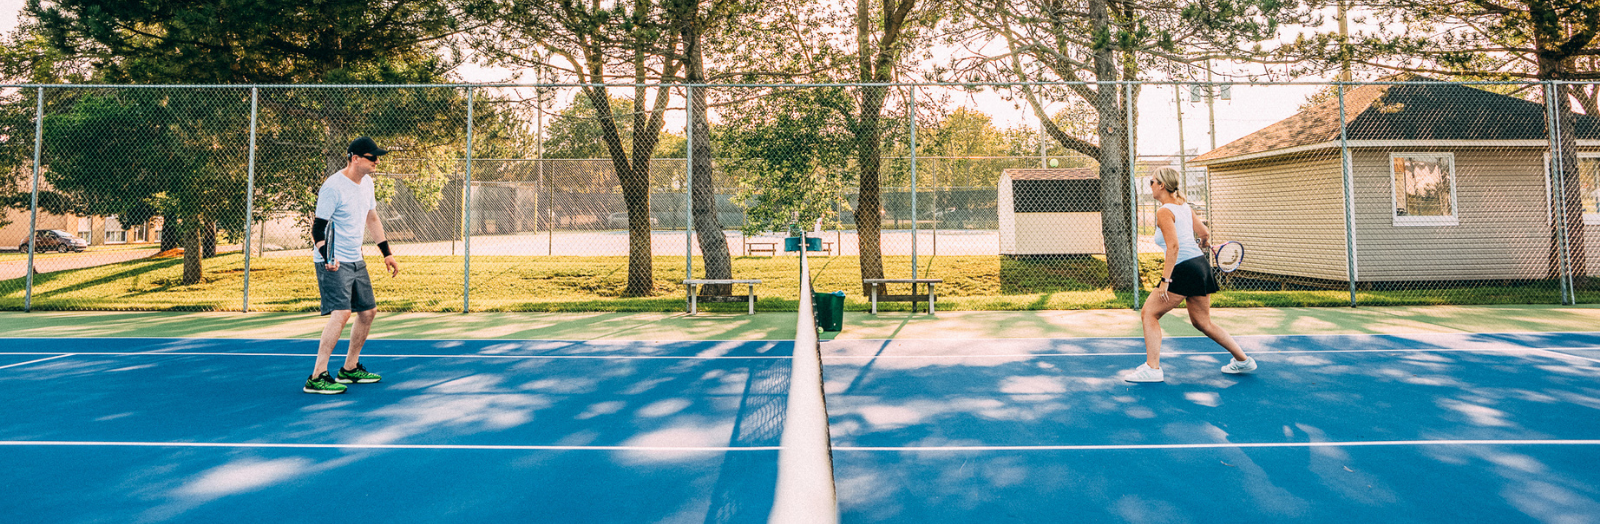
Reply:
x=913, y=298
x=695, y=298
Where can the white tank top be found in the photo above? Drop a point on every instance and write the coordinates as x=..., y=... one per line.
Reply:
x=1183, y=225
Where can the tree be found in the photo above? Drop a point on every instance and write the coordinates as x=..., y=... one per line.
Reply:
x=1491, y=40
x=227, y=41
x=1096, y=45
x=792, y=159
x=592, y=44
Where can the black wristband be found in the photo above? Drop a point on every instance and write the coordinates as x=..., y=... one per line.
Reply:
x=383, y=247
x=319, y=234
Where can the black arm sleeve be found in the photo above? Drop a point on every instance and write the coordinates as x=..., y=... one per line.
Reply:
x=319, y=233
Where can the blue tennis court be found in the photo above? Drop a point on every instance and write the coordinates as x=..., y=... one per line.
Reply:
x=1394, y=428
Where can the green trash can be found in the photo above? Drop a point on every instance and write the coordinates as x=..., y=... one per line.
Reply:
x=829, y=308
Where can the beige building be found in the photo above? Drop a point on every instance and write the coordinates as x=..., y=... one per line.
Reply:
x=1449, y=184
x=98, y=231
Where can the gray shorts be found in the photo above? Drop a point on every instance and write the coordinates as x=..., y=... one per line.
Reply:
x=348, y=288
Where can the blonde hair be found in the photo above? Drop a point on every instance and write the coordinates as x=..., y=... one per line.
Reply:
x=1171, y=180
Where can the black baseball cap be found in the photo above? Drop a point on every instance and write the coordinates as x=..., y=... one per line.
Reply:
x=365, y=146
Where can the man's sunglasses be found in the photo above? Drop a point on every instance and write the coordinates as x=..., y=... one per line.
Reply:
x=373, y=158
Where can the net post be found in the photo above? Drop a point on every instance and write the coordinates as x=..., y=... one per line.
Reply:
x=249, y=196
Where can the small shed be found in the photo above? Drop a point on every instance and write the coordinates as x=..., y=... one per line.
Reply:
x=1449, y=183
x=1050, y=212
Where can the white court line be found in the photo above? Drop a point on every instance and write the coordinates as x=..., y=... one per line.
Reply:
x=1422, y=334
x=35, y=361
x=1086, y=447
x=508, y=357
x=1554, y=352
x=1230, y=445
x=1263, y=352
x=59, y=443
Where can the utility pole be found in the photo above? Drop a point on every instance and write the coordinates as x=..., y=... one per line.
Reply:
x=1344, y=42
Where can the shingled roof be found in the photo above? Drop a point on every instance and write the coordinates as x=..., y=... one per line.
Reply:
x=1423, y=109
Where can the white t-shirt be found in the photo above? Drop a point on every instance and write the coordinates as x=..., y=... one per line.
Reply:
x=344, y=204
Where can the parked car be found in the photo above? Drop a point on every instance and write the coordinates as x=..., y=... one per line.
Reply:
x=620, y=221
x=55, y=240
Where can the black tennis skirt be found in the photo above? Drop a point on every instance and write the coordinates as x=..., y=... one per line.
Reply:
x=1193, y=278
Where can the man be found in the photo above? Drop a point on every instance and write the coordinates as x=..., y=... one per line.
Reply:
x=345, y=202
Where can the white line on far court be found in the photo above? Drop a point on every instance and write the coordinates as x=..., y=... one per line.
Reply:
x=36, y=361
x=831, y=357
x=1086, y=447
x=1230, y=445
x=491, y=447
x=1179, y=353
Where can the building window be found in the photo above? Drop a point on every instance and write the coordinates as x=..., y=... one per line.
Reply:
x=114, y=232
x=85, y=228
x=1589, y=185
x=1424, y=189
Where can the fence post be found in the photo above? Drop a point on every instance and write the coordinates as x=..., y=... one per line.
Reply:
x=1558, y=196
x=1133, y=189
x=1349, y=197
x=466, y=217
x=911, y=101
x=249, y=197
x=33, y=209
x=688, y=186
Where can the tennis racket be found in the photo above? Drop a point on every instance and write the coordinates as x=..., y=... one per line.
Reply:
x=1228, y=256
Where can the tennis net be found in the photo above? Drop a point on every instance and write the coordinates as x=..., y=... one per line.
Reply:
x=805, y=491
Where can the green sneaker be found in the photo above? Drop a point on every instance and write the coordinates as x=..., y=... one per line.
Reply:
x=359, y=375
x=323, y=385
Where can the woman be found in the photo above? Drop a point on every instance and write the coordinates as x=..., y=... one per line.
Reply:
x=1185, y=275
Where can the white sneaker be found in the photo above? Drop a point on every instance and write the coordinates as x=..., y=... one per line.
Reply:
x=1236, y=366
x=1145, y=373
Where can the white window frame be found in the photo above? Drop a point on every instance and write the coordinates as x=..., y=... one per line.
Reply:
x=121, y=231
x=85, y=228
x=1589, y=219
x=1409, y=221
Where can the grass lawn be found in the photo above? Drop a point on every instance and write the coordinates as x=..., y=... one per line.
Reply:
x=510, y=283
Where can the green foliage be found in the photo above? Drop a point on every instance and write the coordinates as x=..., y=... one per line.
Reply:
x=254, y=41
x=791, y=153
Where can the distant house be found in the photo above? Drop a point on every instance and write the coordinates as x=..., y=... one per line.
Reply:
x=1449, y=183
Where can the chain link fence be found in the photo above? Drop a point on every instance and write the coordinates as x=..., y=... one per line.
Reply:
x=599, y=198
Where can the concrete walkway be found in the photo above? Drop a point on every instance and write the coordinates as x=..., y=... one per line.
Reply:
x=976, y=325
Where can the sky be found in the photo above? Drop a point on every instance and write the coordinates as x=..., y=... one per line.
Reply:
x=1252, y=107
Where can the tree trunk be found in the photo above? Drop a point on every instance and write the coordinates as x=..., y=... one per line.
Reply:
x=191, y=251
x=1116, y=216
x=208, y=239
x=869, y=203
x=714, y=254
x=1116, y=141
x=170, y=236
x=634, y=177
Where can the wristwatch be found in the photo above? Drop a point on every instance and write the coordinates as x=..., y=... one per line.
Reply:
x=1166, y=280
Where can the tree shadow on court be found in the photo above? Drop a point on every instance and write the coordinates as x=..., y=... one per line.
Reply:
x=1180, y=451
x=662, y=421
